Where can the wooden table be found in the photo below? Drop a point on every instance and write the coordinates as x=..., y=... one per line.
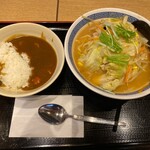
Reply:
x=62, y=10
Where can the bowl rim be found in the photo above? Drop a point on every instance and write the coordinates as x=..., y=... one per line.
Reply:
x=61, y=62
x=80, y=78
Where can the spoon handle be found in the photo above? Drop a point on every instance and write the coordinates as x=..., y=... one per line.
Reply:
x=96, y=120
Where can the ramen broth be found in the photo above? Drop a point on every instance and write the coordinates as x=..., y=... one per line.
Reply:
x=94, y=76
x=42, y=58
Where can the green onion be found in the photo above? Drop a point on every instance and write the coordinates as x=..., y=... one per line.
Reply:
x=120, y=59
x=124, y=33
x=108, y=40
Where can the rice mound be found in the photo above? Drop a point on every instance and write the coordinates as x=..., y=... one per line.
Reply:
x=15, y=70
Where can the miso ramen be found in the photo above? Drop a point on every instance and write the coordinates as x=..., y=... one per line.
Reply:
x=111, y=54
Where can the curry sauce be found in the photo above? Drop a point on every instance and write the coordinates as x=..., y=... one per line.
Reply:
x=42, y=56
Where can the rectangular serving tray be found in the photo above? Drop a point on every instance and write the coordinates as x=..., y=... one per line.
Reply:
x=136, y=113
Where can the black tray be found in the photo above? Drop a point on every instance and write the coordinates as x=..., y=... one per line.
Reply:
x=135, y=112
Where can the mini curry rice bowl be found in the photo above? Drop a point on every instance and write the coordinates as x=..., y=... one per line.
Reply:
x=31, y=58
x=107, y=53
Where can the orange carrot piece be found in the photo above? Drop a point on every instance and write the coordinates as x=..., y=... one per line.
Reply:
x=128, y=72
x=36, y=80
x=141, y=49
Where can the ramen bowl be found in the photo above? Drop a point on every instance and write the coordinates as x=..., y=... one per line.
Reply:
x=74, y=31
x=19, y=66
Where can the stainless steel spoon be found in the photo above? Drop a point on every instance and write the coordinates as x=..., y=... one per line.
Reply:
x=56, y=114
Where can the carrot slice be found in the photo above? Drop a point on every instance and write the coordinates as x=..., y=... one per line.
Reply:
x=128, y=72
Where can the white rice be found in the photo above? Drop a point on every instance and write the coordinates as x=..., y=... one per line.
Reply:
x=15, y=71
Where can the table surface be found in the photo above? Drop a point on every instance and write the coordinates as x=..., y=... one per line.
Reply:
x=136, y=113
x=63, y=10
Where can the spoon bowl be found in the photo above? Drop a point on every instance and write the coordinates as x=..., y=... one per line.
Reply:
x=53, y=113
x=56, y=114
x=143, y=28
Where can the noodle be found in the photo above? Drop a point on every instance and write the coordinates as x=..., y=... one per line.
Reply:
x=107, y=48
